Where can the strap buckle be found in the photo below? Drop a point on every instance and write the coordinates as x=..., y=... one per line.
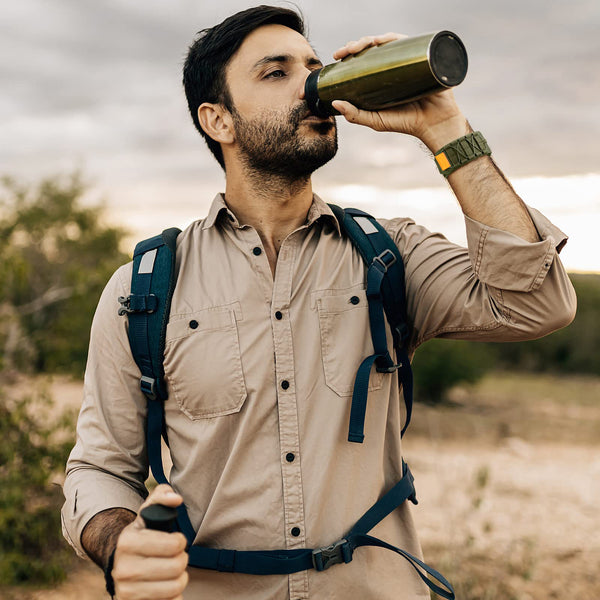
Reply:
x=385, y=364
x=385, y=260
x=148, y=386
x=390, y=369
x=337, y=553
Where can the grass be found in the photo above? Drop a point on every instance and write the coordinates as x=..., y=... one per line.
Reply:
x=532, y=407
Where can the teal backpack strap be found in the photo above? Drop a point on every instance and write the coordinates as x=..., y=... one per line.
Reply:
x=148, y=307
x=386, y=296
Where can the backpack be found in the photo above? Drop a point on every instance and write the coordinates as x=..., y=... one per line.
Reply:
x=148, y=309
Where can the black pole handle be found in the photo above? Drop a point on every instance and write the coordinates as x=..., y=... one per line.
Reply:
x=159, y=517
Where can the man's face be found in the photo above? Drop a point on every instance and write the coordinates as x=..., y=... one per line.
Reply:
x=274, y=130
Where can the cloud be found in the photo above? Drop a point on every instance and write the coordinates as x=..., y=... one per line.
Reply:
x=100, y=83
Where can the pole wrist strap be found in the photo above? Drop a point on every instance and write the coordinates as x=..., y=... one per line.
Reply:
x=110, y=584
x=460, y=152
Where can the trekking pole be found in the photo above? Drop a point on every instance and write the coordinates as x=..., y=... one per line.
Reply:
x=159, y=517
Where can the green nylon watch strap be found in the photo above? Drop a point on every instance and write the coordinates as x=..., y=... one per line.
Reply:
x=458, y=153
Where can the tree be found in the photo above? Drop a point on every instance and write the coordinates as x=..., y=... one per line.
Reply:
x=56, y=255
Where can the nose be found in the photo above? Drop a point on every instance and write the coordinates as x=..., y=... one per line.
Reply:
x=305, y=73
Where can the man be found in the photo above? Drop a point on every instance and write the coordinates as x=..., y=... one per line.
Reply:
x=268, y=325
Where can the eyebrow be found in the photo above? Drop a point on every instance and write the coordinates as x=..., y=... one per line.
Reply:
x=284, y=58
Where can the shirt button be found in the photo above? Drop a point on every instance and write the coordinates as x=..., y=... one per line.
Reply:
x=285, y=384
x=194, y=324
x=295, y=531
x=257, y=251
x=290, y=456
x=355, y=300
x=278, y=315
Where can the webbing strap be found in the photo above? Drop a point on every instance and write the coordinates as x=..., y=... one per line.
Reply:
x=386, y=296
x=381, y=356
x=285, y=562
x=418, y=565
x=154, y=430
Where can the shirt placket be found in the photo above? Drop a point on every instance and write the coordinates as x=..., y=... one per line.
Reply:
x=289, y=437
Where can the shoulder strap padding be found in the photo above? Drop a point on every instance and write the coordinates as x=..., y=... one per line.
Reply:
x=154, y=276
x=371, y=240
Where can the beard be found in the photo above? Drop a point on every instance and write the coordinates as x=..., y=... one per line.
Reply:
x=272, y=143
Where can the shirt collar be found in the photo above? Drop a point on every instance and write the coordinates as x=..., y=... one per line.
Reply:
x=319, y=209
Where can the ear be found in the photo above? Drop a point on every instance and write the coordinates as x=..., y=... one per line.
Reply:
x=216, y=121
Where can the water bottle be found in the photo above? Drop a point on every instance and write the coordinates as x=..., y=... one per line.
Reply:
x=393, y=73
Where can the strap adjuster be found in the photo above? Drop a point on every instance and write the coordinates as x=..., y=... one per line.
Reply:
x=135, y=303
x=148, y=386
x=385, y=364
x=385, y=260
x=337, y=553
x=390, y=369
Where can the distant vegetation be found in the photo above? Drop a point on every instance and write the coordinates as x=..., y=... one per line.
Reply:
x=441, y=364
x=56, y=255
x=33, y=448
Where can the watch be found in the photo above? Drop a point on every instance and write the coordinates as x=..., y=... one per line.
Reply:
x=460, y=152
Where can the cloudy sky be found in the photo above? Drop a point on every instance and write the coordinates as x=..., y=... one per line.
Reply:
x=96, y=86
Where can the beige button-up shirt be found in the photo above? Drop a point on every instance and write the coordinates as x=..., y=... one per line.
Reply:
x=263, y=465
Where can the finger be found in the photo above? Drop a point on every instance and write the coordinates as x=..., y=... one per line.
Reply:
x=360, y=117
x=136, y=568
x=148, y=542
x=354, y=47
x=388, y=37
x=152, y=590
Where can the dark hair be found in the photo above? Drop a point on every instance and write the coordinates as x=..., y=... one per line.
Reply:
x=213, y=48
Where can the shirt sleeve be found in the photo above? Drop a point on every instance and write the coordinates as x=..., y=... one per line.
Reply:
x=500, y=288
x=108, y=465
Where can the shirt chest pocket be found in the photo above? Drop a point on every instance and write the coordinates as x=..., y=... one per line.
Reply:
x=345, y=338
x=203, y=367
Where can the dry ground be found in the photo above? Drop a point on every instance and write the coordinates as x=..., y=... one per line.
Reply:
x=508, y=480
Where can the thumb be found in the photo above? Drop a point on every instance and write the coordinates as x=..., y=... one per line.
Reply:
x=162, y=494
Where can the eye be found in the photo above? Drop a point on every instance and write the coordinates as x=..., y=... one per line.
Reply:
x=275, y=74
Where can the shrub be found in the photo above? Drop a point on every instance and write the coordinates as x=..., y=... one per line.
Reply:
x=441, y=364
x=33, y=448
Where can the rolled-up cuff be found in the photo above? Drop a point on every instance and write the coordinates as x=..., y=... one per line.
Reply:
x=506, y=261
x=85, y=499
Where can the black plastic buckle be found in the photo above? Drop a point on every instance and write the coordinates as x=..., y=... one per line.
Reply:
x=386, y=259
x=148, y=386
x=337, y=553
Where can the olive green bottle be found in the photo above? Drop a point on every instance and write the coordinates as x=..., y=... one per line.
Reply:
x=391, y=74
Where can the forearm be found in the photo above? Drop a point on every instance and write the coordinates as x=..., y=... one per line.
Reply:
x=99, y=537
x=484, y=194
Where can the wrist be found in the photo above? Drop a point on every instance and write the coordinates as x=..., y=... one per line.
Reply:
x=437, y=136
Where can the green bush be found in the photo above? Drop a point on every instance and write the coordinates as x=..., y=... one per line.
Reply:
x=33, y=449
x=439, y=365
